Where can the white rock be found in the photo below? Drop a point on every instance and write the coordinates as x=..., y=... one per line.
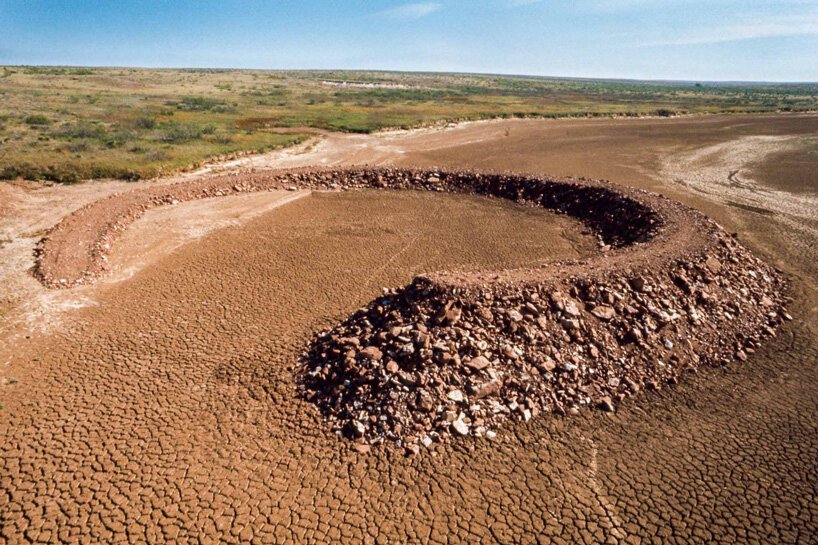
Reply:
x=460, y=427
x=456, y=395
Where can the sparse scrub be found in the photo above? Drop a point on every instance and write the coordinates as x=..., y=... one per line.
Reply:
x=81, y=129
x=140, y=122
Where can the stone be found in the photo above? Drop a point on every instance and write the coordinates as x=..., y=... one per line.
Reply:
x=571, y=309
x=460, y=427
x=456, y=396
x=547, y=365
x=361, y=448
x=486, y=389
x=638, y=283
x=606, y=404
x=478, y=363
x=372, y=352
x=603, y=312
x=395, y=366
x=355, y=429
x=510, y=353
x=635, y=335
x=570, y=325
x=425, y=401
x=713, y=265
x=450, y=313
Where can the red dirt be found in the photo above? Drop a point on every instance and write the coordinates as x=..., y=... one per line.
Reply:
x=159, y=416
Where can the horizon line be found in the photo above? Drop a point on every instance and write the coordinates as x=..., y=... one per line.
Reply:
x=393, y=71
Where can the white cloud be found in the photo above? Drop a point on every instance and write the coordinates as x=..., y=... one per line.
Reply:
x=748, y=30
x=410, y=12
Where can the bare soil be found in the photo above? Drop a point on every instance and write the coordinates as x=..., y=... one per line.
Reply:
x=792, y=168
x=166, y=411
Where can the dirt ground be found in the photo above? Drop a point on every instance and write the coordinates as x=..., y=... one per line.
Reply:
x=163, y=411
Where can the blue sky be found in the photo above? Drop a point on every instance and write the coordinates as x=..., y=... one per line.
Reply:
x=771, y=40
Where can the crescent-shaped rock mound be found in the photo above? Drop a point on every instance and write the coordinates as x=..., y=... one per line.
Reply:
x=454, y=354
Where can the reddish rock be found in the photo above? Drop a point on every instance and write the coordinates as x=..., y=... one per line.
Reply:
x=603, y=312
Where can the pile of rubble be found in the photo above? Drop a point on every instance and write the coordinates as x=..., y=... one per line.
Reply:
x=427, y=362
x=455, y=355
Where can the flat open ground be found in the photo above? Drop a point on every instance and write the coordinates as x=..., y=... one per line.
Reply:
x=163, y=409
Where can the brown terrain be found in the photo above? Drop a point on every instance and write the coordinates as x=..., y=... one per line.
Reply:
x=165, y=409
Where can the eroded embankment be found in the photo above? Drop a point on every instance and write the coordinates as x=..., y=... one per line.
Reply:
x=456, y=354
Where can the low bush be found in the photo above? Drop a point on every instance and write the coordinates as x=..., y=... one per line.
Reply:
x=36, y=120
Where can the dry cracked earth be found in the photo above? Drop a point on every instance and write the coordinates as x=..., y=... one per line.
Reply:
x=165, y=412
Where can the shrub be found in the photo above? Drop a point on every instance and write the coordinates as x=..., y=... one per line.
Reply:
x=203, y=104
x=36, y=120
x=178, y=133
x=76, y=147
x=20, y=170
x=118, y=138
x=145, y=123
x=223, y=139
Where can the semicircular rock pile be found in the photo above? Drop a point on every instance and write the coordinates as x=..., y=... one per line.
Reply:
x=456, y=354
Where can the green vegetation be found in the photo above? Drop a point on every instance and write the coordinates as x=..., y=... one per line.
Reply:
x=36, y=119
x=67, y=124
